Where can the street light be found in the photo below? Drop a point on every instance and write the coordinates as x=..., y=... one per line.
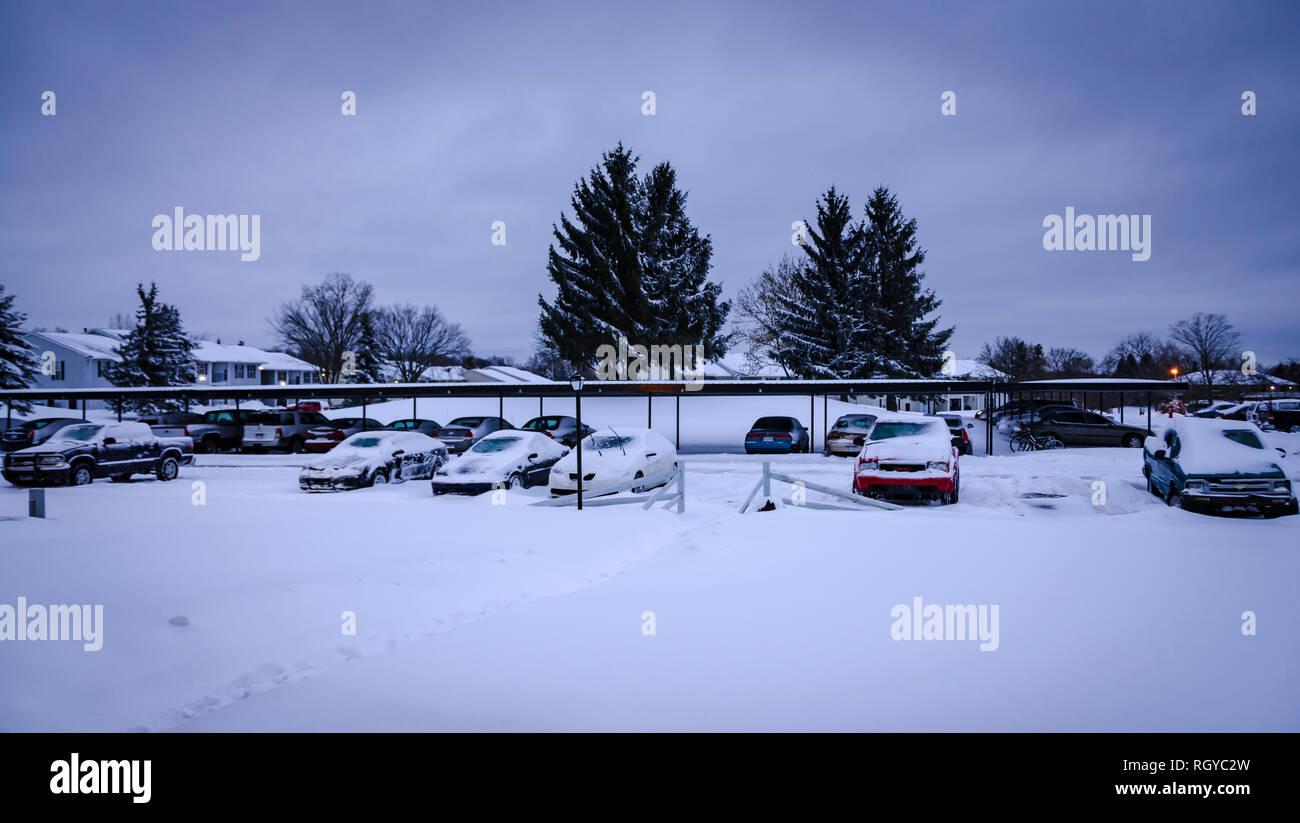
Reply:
x=576, y=383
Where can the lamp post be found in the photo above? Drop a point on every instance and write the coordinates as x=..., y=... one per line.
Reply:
x=576, y=383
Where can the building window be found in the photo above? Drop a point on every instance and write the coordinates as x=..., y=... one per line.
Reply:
x=101, y=368
x=219, y=373
x=58, y=371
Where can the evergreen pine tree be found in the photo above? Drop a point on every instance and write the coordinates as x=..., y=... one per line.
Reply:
x=909, y=344
x=630, y=264
x=368, y=367
x=17, y=364
x=156, y=352
x=824, y=333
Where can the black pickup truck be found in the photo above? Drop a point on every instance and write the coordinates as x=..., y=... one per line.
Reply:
x=77, y=454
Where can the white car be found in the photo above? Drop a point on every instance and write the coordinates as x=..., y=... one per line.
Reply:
x=374, y=458
x=509, y=458
x=612, y=458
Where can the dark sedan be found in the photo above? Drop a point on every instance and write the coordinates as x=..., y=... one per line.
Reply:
x=558, y=427
x=1075, y=427
x=34, y=432
x=464, y=432
x=416, y=424
x=777, y=435
x=322, y=438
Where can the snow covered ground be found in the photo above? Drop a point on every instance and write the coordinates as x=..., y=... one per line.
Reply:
x=469, y=615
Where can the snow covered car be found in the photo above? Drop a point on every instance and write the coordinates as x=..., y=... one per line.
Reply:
x=510, y=457
x=612, y=458
x=1216, y=464
x=374, y=458
x=908, y=457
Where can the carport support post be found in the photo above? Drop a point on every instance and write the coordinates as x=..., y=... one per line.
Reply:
x=415, y=414
x=83, y=408
x=649, y=410
x=825, y=400
x=1149, y=432
x=812, y=421
x=677, y=430
x=501, y=406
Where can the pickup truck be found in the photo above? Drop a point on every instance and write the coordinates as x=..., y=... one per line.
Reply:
x=222, y=429
x=77, y=454
x=281, y=429
x=1283, y=415
x=1217, y=465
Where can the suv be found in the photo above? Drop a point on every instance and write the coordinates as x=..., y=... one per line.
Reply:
x=1284, y=415
x=281, y=429
x=220, y=429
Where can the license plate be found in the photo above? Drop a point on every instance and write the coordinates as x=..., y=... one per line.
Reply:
x=767, y=440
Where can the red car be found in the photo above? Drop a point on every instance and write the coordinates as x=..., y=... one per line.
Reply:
x=321, y=439
x=908, y=457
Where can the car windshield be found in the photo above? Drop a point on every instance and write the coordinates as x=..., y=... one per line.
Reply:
x=81, y=433
x=495, y=444
x=854, y=421
x=365, y=442
x=609, y=441
x=888, y=431
x=1245, y=437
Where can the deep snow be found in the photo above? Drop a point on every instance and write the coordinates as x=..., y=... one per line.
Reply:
x=478, y=616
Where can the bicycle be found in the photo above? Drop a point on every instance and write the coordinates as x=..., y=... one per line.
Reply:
x=1025, y=440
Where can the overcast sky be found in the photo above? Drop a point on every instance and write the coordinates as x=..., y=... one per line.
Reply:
x=469, y=113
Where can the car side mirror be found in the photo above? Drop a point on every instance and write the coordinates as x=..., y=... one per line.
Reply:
x=399, y=452
x=108, y=441
x=532, y=456
x=651, y=454
x=1281, y=451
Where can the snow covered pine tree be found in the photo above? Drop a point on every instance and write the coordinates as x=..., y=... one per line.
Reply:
x=156, y=352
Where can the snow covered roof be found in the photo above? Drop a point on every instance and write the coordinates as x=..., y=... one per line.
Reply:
x=280, y=361
x=506, y=374
x=206, y=351
x=1234, y=377
x=972, y=370
x=94, y=346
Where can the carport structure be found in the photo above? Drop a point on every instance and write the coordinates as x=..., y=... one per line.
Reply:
x=995, y=393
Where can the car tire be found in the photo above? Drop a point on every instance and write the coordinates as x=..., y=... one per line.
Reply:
x=81, y=475
x=379, y=478
x=638, y=489
x=210, y=445
x=956, y=488
x=168, y=469
x=1295, y=429
x=296, y=445
x=515, y=481
x=1173, y=498
x=1132, y=441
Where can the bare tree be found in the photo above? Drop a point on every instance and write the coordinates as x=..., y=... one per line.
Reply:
x=411, y=339
x=754, y=320
x=1210, y=343
x=1069, y=362
x=1011, y=355
x=325, y=322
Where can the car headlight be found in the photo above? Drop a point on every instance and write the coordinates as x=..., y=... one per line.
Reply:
x=937, y=465
x=49, y=460
x=1195, y=486
x=1281, y=485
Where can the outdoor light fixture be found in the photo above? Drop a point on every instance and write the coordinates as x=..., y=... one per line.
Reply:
x=576, y=382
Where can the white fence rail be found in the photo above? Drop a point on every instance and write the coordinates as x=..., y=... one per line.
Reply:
x=765, y=485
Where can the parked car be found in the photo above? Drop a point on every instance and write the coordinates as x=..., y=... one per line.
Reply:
x=170, y=424
x=1074, y=427
x=780, y=435
x=613, y=458
x=281, y=429
x=957, y=427
x=416, y=424
x=28, y=433
x=220, y=429
x=464, y=432
x=1283, y=415
x=507, y=458
x=909, y=457
x=1210, y=409
x=559, y=427
x=1214, y=464
x=847, y=435
x=77, y=454
x=373, y=458
x=1023, y=408
x=321, y=439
